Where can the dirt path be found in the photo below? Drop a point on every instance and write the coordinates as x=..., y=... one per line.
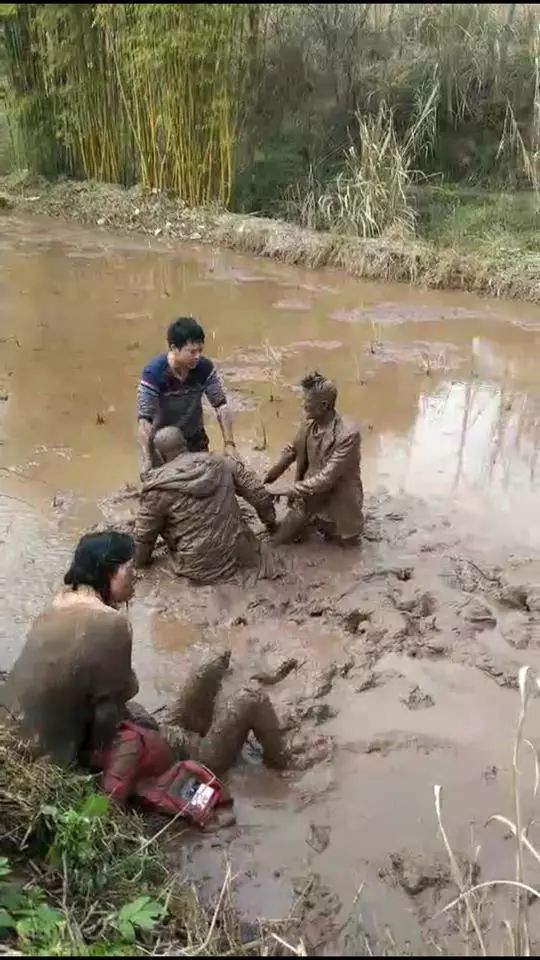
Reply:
x=395, y=664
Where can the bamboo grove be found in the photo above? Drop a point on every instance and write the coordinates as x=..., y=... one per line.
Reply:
x=125, y=93
x=241, y=103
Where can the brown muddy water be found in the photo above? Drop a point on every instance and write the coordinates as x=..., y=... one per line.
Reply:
x=406, y=650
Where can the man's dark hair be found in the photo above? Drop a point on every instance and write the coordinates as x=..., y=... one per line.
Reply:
x=316, y=381
x=184, y=330
x=96, y=560
x=312, y=381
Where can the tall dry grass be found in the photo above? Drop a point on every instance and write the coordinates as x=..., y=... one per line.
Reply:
x=327, y=63
x=521, y=894
x=193, y=97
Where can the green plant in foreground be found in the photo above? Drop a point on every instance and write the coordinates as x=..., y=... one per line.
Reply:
x=141, y=914
x=38, y=927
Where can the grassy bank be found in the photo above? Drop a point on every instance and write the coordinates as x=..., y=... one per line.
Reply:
x=79, y=877
x=467, y=240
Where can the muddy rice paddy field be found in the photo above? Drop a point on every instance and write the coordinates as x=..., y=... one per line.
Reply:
x=396, y=663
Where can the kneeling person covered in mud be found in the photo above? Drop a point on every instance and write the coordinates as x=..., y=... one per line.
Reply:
x=191, y=501
x=327, y=493
x=70, y=689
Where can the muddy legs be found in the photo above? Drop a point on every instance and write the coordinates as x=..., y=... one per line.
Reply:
x=194, y=707
x=235, y=716
x=221, y=721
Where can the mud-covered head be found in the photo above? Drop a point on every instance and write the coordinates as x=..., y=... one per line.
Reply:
x=104, y=563
x=168, y=443
x=320, y=396
x=185, y=339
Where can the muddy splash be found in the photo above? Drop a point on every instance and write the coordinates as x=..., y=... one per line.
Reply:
x=393, y=665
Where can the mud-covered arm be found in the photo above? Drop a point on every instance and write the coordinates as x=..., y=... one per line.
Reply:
x=288, y=456
x=249, y=487
x=147, y=412
x=215, y=394
x=343, y=459
x=148, y=525
x=112, y=679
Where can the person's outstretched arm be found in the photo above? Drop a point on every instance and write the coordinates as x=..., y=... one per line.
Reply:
x=148, y=525
x=288, y=456
x=248, y=486
x=111, y=678
x=344, y=458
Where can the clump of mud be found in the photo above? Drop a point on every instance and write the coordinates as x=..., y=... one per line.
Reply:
x=416, y=699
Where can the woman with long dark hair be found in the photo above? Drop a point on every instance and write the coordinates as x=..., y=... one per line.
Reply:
x=69, y=689
x=70, y=684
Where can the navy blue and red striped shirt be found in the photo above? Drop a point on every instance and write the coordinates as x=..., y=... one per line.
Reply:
x=163, y=395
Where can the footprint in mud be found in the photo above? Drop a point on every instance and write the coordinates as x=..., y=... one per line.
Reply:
x=479, y=614
x=505, y=674
x=387, y=743
x=275, y=671
x=318, y=837
x=415, y=874
x=521, y=631
x=414, y=602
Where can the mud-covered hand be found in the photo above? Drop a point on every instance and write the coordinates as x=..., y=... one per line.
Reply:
x=293, y=496
x=229, y=450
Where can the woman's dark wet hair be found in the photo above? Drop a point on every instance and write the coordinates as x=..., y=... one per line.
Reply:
x=96, y=560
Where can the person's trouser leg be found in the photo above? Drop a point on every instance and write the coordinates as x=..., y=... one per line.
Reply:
x=206, y=725
x=193, y=709
x=235, y=716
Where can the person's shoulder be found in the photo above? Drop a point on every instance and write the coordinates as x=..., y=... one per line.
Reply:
x=204, y=370
x=347, y=428
x=109, y=625
x=81, y=620
x=155, y=370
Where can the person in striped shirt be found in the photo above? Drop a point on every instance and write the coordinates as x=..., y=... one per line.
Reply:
x=171, y=389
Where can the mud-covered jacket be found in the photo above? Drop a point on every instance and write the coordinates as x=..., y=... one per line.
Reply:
x=69, y=686
x=327, y=474
x=191, y=502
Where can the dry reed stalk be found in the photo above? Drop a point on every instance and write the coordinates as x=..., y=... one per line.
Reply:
x=518, y=933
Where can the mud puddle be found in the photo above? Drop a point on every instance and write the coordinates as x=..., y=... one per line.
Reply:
x=405, y=653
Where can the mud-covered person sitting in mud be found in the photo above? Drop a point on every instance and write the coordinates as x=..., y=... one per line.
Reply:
x=191, y=502
x=171, y=389
x=70, y=689
x=327, y=494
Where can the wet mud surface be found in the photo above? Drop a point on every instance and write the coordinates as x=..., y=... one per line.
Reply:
x=392, y=666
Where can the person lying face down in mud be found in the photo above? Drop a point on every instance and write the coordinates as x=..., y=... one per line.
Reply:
x=327, y=493
x=191, y=501
x=70, y=691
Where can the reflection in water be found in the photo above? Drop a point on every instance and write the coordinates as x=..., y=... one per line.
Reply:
x=469, y=437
